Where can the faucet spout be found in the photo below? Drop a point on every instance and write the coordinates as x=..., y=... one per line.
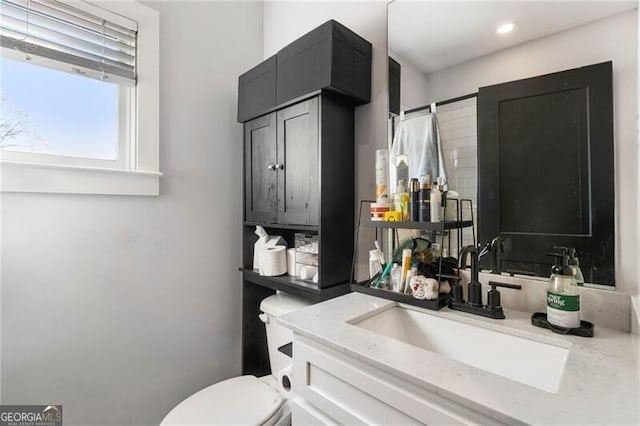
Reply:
x=464, y=253
x=474, y=304
x=497, y=248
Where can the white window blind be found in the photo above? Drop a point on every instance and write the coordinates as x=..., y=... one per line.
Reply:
x=60, y=31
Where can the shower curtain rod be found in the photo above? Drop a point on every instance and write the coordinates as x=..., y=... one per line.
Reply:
x=445, y=102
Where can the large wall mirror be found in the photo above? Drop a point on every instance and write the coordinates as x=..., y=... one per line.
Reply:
x=533, y=101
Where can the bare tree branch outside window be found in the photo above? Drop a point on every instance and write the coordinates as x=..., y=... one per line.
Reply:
x=14, y=128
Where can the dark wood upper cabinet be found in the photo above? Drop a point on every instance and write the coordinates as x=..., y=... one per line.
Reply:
x=331, y=58
x=297, y=151
x=257, y=90
x=284, y=181
x=281, y=166
x=546, y=172
x=260, y=169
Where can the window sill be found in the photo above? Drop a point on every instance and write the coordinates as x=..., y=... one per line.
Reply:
x=48, y=178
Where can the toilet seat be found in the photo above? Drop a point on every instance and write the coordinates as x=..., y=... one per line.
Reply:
x=244, y=400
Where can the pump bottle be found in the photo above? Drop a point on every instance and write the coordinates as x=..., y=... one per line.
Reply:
x=563, y=298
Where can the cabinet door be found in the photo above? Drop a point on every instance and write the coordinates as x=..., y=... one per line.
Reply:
x=260, y=172
x=298, y=145
x=546, y=169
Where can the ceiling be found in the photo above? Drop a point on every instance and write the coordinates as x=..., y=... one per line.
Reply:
x=434, y=35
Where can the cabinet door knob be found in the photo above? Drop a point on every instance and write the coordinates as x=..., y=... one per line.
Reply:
x=280, y=166
x=271, y=167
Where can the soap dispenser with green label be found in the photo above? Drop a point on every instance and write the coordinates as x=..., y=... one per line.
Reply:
x=563, y=298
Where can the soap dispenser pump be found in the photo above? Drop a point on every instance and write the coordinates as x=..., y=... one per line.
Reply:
x=574, y=264
x=563, y=298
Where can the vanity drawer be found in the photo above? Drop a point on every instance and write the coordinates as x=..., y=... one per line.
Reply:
x=355, y=393
x=303, y=413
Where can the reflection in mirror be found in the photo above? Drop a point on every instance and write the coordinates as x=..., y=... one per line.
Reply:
x=446, y=52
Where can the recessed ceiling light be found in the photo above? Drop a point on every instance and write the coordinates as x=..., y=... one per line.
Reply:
x=506, y=28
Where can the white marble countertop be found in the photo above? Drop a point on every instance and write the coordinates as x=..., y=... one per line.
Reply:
x=600, y=384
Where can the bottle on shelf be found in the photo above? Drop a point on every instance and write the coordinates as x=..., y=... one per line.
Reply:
x=435, y=203
x=402, y=169
x=406, y=289
x=406, y=264
x=396, y=278
x=375, y=266
x=424, y=199
x=382, y=175
x=401, y=201
x=414, y=193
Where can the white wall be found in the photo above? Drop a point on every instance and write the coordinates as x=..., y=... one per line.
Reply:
x=635, y=324
x=120, y=307
x=614, y=38
x=286, y=21
x=413, y=84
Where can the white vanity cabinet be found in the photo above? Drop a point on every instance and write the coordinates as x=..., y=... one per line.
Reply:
x=333, y=388
x=349, y=372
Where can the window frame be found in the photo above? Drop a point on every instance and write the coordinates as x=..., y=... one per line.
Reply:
x=136, y=171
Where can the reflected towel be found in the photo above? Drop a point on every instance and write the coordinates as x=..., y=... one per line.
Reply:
x=418, y=138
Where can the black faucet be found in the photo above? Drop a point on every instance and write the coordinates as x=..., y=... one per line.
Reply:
x=497, y=248
x=474, y=289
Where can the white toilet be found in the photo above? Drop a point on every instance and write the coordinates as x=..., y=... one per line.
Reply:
x=248, y=400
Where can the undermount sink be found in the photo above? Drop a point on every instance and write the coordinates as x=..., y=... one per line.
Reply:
x=527, y=361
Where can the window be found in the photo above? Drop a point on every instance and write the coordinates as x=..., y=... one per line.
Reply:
x=79, y=93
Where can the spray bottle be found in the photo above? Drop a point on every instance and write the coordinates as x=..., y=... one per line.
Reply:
x=401, y=201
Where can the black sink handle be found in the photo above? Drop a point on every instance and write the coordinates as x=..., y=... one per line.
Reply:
x=495, y=284
x=493, y=296
x=513, y=272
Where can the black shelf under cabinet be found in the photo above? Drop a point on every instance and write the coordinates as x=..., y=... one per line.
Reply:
x=302, y=228
x=295, y=286
x=428, y=226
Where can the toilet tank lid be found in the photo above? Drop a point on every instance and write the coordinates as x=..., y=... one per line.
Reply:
x=281, y=304
x=242, y=400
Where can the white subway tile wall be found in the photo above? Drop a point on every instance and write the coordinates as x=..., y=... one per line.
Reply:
x=458, y=136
